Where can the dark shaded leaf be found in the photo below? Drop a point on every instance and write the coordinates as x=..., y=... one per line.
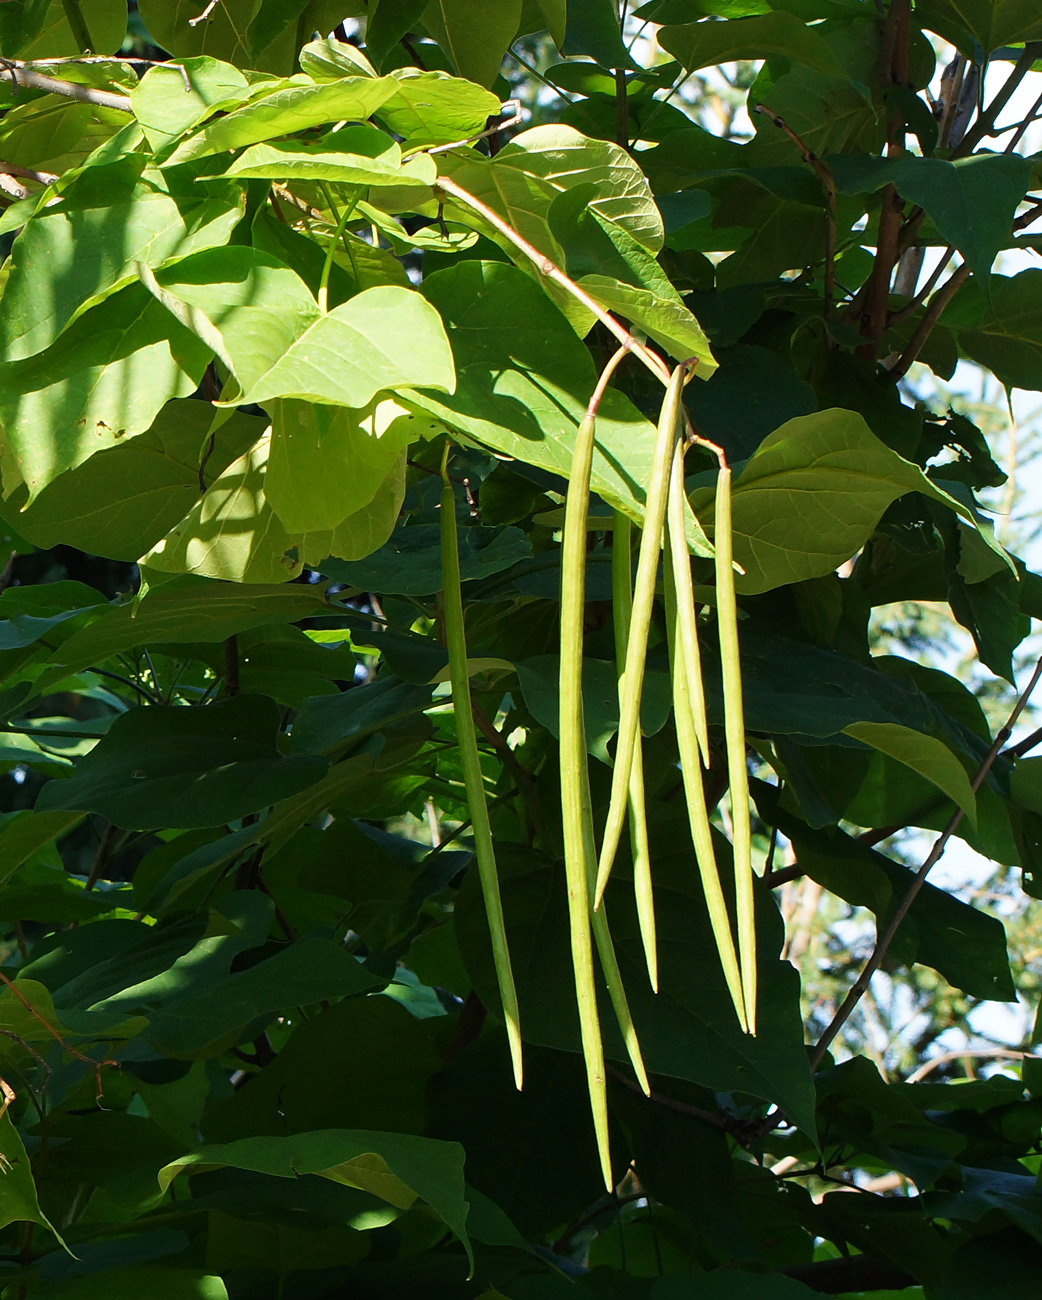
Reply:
x=186, y=767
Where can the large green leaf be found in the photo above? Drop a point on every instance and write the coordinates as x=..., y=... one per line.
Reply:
x=387, y=24
x=294, y=106
x=988, y=24
x=80, y=249
x=593, y=29
x=829, y=113
x=621, y=274
x=700, y=45
x=165, y=110
x=811, y=496
x=246, y=305
x=306, y=482
x=104, y=380
x=474, y=35
x=23, y=834
x=1005, y=334
x=560, y=158
x=966, y=945
x=923, y=754
x=321, y=1080
x=396, y=1167
x=530, y=406
x=193, y=610
x=540, y=684
x=18, y=1199
x=429, y=108
x=234, y=534
x=124, y=499
x=249, y=33
x=305, y=973
x=184, y=767
x=971, y=201
x=410, y=563
x=261, y=318
x=52, y=135
x=356, y=350
x=42, y=30
x=356, y=155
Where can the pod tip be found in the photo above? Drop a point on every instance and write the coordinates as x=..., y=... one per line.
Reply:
x=514, y=1035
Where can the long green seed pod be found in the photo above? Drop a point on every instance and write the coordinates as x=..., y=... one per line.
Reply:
x=631, y=683
x=694, y=788
x=617, y=993
x=473, y=779
x=622, y=606
x=606, y=953
x=734, y=731
x=689, y=648
x=575, y=800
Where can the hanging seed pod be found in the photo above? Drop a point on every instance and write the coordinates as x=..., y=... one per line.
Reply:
x=631, y=683
x=474, y=781
x=734, y=730
x=576, y=815
x=677, y=542
x=622, y=606
x=686, y=668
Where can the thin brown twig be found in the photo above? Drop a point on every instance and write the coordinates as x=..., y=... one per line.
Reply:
x=1022, y=126
x=888, y=251
x=516, y=115
x=1022, y=747
x=783, y=875
x=111, y=58
x=27, y=173
x=66, y=1047
x=671, y=1103
x=552, y=271
x=892, y=70
x=20, y=75
x=13, y=188
x=768, y=864
x=885, y=939
x=927, y=288
x=979, y=1053
x=986, y=121
x=938, y=302
x=231, y=666
x=201, y=18
x=829, y=186
x=146, y=695
x=101, y=857
x=1026, y=218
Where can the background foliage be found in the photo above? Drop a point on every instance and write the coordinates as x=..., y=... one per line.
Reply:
x=249, y=1014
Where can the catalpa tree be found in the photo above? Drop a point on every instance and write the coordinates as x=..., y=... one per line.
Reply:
x=448, y=480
